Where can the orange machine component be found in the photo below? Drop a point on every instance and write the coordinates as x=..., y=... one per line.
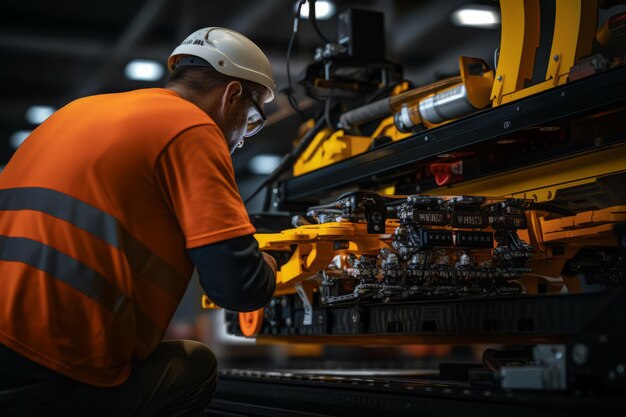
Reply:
x=251, y=322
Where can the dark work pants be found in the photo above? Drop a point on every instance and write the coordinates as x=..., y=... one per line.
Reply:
x=177, y=379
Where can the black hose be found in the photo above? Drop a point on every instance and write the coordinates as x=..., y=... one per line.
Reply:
x=313, y=20
x=290, y=90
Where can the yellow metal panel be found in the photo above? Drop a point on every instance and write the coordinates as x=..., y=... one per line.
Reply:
x=518, y=42
x=574, y=31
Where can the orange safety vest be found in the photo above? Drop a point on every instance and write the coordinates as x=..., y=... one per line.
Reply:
x=93, y=260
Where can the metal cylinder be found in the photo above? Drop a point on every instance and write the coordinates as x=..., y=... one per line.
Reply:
x=445, y=105
x=407, y=119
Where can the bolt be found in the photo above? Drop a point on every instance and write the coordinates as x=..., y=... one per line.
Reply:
x=425, y=138
x=507, y=124
x=283, y=302
x=612, y=375
x=598, y=141
x=376, y=227
x=274, y=190
x=499, y=77
x=620, y=369
x=517, y=108
x=580, y=354
x=555, y=57
x=288, y=321
x=562, y=93
x=275, y=204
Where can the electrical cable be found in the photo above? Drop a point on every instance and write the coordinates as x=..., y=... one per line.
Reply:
x=288, y=159
x=290, y=90
x=313, y=20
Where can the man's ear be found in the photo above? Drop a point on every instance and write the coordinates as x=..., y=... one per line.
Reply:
x=232, y=93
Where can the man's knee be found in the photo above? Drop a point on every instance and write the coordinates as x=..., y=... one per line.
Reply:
x=198, y=363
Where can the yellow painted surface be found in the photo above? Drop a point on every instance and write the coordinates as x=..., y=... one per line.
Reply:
x=541, y=182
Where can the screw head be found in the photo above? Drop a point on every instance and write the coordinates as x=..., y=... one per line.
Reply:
x=507, y=124
x=555, y=57
x=499, y=77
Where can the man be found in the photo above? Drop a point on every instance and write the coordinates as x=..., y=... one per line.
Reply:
x=105, y=210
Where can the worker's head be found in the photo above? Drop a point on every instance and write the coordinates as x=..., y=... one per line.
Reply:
x=226, y=75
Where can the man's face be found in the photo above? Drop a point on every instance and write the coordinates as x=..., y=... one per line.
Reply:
x=244, y=119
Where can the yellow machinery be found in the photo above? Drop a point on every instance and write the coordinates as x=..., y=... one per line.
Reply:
x=435, y=247
x=519, y=74
x=570, y=236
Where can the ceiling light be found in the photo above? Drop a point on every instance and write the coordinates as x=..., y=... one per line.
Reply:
x=264, y=164
x=476, y=15
x=506, y=141
x=549, y=128
x=37, y=114
x=324, y=9
x=18, y=137
x=144, y=70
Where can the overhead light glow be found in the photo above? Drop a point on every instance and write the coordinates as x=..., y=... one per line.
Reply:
x=324, y=9
x=476, y=15
x=144, y=70
x=18, y=137
x=264, y=164
x=37, y=114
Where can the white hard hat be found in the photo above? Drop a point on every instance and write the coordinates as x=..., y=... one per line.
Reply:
x=230, y=53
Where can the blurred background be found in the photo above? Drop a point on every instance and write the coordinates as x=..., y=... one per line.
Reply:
x=56, y=51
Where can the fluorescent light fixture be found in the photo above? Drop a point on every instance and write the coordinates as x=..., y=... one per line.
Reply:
x=264, y=164
x=324, y=9
x=18, y=137
x=144, y=70
x=37, y=114
x=476, y=15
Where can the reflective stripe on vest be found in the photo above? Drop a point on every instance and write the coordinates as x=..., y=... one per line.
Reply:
x=64, y=268
x=100, y=224
x=80, y=277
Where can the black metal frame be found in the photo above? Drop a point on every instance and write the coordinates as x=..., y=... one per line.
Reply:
x=575, y=99
x=259, y=393
x=595, y=385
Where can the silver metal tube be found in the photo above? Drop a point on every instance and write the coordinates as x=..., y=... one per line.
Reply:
x=446, y=105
